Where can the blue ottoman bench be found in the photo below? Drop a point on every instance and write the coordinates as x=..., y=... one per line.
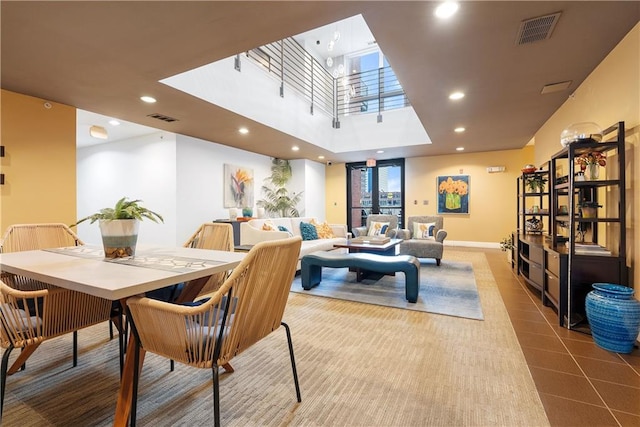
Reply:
x=311, y=266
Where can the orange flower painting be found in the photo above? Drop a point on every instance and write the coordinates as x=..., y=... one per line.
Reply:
x=453, y=194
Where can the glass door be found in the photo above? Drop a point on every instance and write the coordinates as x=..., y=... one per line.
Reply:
x=375, y=189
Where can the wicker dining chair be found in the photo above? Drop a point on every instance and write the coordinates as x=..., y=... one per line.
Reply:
x=247, y=307
x=215, y=236
x=30, y=317
x=78, y=310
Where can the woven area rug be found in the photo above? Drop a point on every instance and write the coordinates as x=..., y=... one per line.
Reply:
x=448, y=289
x=359, y=365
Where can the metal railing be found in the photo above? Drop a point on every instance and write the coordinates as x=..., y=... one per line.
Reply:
x=294, y=66
x=359, y=93
x=369, y=92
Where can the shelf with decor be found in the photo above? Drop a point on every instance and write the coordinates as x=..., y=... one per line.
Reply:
x=533, y=210
x=587, y=241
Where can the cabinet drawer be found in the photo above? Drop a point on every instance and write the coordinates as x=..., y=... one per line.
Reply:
x=553, y=263
x=535, y=254
x=553, y=287
x=536, y=274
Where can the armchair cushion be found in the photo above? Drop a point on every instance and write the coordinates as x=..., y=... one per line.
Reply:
x=424, y=231
x=378, y=228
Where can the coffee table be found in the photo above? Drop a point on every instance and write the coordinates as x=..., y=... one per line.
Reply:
x=387, y=249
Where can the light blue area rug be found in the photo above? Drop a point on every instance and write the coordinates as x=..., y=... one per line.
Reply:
x=449, y=289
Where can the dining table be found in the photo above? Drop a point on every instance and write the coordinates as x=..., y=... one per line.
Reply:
x=85, y=269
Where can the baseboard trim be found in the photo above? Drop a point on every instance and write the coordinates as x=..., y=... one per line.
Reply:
x=488, y=245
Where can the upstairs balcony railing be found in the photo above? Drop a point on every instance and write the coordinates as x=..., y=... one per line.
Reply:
x=358, y=93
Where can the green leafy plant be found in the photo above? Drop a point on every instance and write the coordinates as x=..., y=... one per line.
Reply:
x=506, y=244
x=124, y=209
x=276, y=195
x=536, y=183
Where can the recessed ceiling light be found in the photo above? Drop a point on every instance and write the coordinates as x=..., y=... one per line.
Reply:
x=460, y=149
x=459, y=129
x=321, y=157
x=148, y=99
x=446, y=10
x=295, y=148
x=456, y=95
x=243, y=131
x=114, y=122
x=380, y=151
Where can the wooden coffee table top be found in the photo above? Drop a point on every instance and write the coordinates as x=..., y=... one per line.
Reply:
x=369, y=246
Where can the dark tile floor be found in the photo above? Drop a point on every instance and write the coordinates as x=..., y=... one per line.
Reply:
x=579, y=383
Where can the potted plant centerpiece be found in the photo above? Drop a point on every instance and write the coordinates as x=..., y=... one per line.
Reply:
x=119, y=226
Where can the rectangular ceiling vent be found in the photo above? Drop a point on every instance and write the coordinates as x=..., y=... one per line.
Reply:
x=162, y=117
x=537, y=29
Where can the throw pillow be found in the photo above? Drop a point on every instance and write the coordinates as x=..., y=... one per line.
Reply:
x=268, y=226
x=378, y=228
x=324, y=230
x=424, y=231
x=308, y=231
x=283, y=228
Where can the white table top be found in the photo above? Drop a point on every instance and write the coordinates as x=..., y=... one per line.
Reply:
x=112, y=280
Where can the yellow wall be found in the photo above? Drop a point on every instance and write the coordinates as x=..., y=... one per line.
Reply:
x=609, y=95
x=39, y=163
x=492, y=201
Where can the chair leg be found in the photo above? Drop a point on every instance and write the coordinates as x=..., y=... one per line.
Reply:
x=3, y=376
x=216, y=395
x=136, y=378
x=75, y=348
x=437, y=261
x=293, y=361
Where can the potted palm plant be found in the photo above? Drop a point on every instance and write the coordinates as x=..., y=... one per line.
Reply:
x=276, y=195
x=119, y=226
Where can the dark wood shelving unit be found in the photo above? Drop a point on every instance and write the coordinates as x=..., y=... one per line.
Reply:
x=582, y=250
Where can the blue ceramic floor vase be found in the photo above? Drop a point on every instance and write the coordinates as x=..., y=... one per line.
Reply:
x=614, y=316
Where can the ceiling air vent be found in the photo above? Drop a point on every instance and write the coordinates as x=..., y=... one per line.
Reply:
x=162, y=117
x=537, y=29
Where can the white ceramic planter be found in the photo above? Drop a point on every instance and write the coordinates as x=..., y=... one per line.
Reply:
x=119, y=237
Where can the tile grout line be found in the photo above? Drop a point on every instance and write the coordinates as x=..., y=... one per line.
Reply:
x=568, y=351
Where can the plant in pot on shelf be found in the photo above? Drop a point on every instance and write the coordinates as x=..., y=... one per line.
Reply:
x=119, y=226
x=536, y=183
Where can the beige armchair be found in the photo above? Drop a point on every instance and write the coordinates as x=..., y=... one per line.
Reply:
x=246, y=308
x=391, y=222
x=423, y=237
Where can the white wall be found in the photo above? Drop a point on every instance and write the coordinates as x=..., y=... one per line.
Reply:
x=179, y=177
x=200, y=169
x=139, y=168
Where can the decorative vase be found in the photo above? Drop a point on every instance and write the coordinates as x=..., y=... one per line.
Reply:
x=233, y=214
x=119, y=237
x=452, y=201
x=614, y=316
x=593, y=171
x=247, y=212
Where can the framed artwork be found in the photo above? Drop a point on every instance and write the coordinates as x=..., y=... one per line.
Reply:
x=238, y=186
x=453, y=194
